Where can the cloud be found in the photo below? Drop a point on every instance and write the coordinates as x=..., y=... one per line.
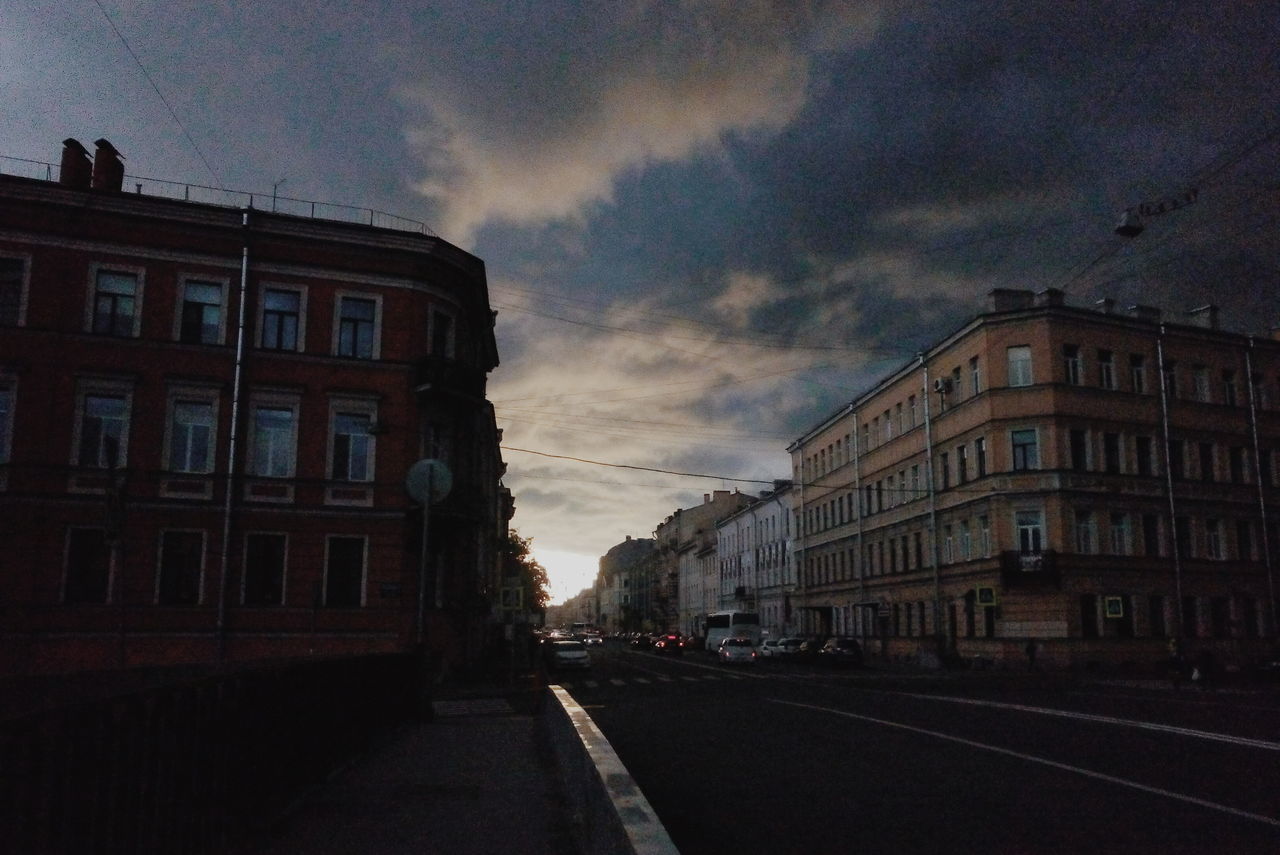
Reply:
x=663, y=83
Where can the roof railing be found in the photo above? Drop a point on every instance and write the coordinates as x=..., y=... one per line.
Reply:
x=206, y=195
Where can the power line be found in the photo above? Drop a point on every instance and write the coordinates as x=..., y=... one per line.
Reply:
x=165, y=100
x=639, y=468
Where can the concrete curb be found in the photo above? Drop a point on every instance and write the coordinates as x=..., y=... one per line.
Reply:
x=611, y=815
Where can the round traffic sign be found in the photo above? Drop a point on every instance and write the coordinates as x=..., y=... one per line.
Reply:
x=429, y=481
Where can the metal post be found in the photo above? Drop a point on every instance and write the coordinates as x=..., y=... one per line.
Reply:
x=1168, y=478
x=1262, y=495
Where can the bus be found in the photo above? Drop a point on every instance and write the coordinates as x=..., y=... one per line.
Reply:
x=722, y=625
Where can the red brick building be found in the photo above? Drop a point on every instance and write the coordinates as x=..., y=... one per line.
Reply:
x=207, y=413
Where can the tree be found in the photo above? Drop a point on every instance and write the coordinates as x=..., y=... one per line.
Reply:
x=520, y=562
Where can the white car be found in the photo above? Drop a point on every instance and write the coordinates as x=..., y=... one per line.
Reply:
x=592, y=639
x=769, y=647
x=737, y=650
x=567, y=654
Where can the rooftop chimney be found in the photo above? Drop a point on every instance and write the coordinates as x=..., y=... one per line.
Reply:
x=1008, y=299
x=1049, y=297
x=77, y=169
x=108, y=168
x=1205, y=316
x=1145, y=313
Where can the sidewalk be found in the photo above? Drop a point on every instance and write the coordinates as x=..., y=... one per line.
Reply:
x=480, y=778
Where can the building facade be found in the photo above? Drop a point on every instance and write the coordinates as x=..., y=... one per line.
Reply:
x=756, y=572
x=1097, y=482
x=207, y=414
x=686, y=543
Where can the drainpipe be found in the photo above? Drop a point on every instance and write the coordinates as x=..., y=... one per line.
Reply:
x=233, y=444
x=938, y=634
x=1257, y=468
x=1168, y=478
x=862, y=513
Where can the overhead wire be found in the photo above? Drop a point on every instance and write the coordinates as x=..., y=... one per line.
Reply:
x=172, y=112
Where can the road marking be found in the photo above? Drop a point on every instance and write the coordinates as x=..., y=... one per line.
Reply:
x=689, y=679
x=591, y=684
x=1106, y=719
x=644, y=680
x=1044, y=761
x=617, y=682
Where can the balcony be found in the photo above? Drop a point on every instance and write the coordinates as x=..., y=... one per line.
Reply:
x=435, y=375
x=1030, y=570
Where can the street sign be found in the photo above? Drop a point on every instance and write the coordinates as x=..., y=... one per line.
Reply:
x=429, y=481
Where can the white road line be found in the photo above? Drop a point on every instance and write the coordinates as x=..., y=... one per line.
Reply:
x=1031, y=758
x=689, y=679
x=1105, y=719
x=591, y=684
x=644, y=680
x=617, y=682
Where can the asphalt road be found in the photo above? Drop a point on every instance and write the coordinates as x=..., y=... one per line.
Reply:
x=782, y=758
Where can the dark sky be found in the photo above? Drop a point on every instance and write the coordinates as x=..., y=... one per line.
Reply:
x=706, y=224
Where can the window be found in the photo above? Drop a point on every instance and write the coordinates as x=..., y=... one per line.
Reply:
x=1235, y=464
x=1177, y=460
x=273, y=443
x=1111, y=452
x=1079, y=442
x=1244, y=540
x=1230, y=394
x=966, y=541
x=1182, y=536
x=1025, y=454
x=948, y=545
x=1206, y=461
x=984, y=535
x=944, y=469
x=441, y=333
x=915, y=481
x=344, y=572
x=13, y=281
x=1019, y=366
x=1171, y=379
x=6, y=422
x=103, y=431
x=1106, y=369
x=1200, y=379
x=887, y=424
x=201, y=318
x=88, y=566
x=357, y=327
x=1121, y=535
x=191, y=437
x=1150, y=535
x=1030, y=534
x=918, y=542
x=1072, y=364
x=1138, y=373
x=914, y=408
x=281, y=319
x=902, y=418
x=1086, y=532
x=975, y=377
x=980, y=455
x=115, y=299
x=181, y=562
x=264, y=567
x=1213, y=539
x=1142, y=452
x=962, y=464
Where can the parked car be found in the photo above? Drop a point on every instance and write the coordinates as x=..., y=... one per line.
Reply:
x=695, y=642
x=593, y=639
x=809, y=647
x=788, y=647
x=670, y=643
x=640, y=642
x=737, y=650
x=841, y=652
x=769, y=648
x=566, y=654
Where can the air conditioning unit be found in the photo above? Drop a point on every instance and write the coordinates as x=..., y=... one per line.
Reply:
x=942, y=385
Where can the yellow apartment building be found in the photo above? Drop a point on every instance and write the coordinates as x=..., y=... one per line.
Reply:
x=1099, y=482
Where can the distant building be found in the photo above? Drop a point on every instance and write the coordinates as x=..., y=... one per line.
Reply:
x=207, y=414
x=753, y=548
x=687, y=549
x=625, y=586
x=1098, y=481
